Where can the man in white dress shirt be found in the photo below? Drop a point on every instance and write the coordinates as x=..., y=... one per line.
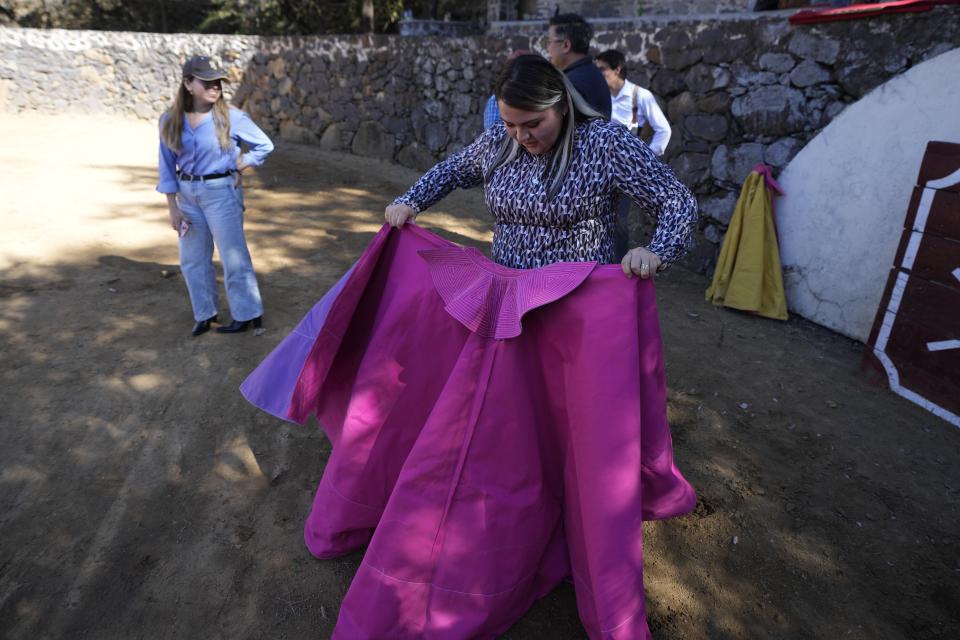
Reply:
x=632, y=105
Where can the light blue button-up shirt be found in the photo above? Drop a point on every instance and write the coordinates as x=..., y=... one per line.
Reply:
x=491, y=112
x=200, y=153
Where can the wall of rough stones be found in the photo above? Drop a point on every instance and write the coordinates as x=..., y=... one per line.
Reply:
x=738, y=89
x=132, y=74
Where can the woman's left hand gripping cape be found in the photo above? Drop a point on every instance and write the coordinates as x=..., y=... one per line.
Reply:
x=494, y=431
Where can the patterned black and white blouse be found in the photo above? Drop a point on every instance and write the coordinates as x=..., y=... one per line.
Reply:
x=578, y=224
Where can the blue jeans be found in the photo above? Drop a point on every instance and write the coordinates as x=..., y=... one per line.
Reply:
x=215, y=211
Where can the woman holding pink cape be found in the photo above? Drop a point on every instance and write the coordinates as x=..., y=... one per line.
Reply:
x=499, y=425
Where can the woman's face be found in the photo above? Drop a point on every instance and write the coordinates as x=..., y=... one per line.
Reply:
x=205, y=92
x=612, y=76
x=536, y=131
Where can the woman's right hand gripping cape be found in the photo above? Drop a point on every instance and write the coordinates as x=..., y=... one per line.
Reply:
x=494, y=431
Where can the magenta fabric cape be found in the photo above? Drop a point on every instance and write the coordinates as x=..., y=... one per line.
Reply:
x=494, y=431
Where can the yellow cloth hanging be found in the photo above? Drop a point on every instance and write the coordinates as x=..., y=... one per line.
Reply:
x=748, y=275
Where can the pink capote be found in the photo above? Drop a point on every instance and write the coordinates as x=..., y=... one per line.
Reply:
x=494, y=431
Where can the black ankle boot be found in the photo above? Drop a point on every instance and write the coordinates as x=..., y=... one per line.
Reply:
x=203, y=326
x=241, y=325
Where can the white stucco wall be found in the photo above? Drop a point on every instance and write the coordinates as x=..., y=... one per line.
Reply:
x=848, y=191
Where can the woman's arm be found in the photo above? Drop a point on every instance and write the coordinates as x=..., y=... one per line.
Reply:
x=168, y=170
x=637, y=172
x=463, y=169
x=169, y=185
x=173, y=210
x=242, y=129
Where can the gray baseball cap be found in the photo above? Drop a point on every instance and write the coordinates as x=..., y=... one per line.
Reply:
x=201, y=67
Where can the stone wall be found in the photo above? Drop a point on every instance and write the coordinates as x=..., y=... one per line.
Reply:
x=413, y=100
x=738, y=89
x=133, y=74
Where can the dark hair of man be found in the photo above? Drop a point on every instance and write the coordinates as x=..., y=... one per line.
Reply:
x=531, y=83
x=572, y=27
x=615, y=60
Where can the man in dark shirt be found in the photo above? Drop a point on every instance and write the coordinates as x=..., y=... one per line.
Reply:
x=567, y=43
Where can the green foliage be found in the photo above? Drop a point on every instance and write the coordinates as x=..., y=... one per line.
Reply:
x=160, y=16
x=244, y=16
x=276, y=17
x=260, y=17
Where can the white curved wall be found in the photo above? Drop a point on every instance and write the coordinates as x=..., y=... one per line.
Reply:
x=848, y=190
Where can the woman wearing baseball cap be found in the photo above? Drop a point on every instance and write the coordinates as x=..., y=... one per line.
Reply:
x=200, y=167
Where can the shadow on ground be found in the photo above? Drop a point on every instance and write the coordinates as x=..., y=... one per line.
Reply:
x=141, y=497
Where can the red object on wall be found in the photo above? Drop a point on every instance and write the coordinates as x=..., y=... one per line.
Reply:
x=915, y=338
x=860, y=11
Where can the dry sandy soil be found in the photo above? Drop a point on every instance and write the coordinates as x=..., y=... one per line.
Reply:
x=141, y=497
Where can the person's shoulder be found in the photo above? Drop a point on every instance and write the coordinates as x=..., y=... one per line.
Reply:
x=495, y=132
x=644, y=94
x=590, y=68
x=603, y=128
x=237, y=114
x=600, y=132
x=583, y=67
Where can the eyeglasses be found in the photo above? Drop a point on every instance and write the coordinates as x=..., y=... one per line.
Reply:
x=546, y=40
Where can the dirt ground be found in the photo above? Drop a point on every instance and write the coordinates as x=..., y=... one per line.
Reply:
x=141, y=497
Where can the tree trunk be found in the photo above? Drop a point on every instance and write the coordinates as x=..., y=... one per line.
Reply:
x=163, y=16
x=366, y=22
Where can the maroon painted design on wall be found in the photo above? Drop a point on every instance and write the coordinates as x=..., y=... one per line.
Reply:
x=915, y=338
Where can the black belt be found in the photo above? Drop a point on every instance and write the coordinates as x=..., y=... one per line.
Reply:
x=209, y=176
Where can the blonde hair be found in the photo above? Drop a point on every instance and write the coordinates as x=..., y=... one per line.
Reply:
x=531, y=83
x=171, y=131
